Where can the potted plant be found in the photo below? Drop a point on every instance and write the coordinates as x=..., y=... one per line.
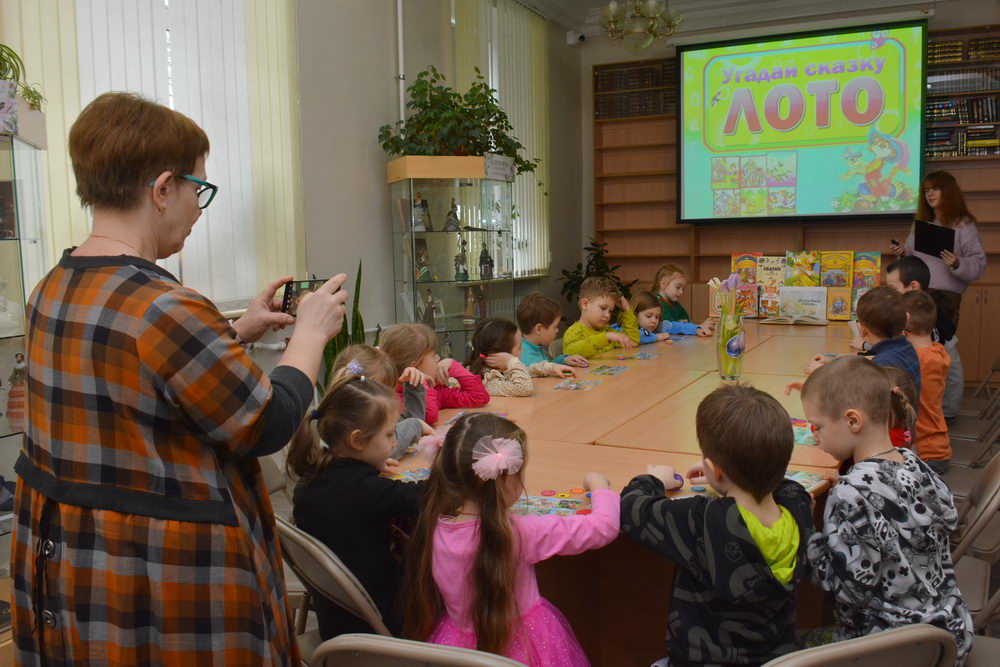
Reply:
x=444, y=122
x=353, y=334
x=20, y=103
x=597, y=265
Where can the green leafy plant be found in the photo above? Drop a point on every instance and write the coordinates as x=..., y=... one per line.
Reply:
x=597, y=265
x=12, y=69
x=444, y=122
x=350, y=334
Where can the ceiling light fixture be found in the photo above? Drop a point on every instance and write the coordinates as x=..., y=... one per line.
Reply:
x=638, y=23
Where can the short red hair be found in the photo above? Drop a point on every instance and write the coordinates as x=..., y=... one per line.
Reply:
x=121, y=141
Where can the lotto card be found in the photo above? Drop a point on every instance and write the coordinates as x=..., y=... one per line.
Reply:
x=644, y=356
x=413, y=475
x=577, y=385
x=803, y=432
x=605, y=369
x=540, y=505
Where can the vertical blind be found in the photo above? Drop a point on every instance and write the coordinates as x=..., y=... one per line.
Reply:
x=509, y=44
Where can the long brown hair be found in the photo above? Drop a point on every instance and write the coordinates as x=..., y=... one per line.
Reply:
x=953, y=208
x=407, y=343
x=494, y=607
x=351, y=404
x=666, y=271
x=643, y=300
x=491, y=335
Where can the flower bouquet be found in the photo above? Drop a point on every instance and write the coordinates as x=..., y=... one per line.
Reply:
x=729, y=335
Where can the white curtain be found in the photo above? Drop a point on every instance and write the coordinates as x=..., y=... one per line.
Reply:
x=191, y=56
x=509, y=44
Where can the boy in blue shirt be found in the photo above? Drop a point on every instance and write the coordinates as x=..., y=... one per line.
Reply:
x=538, y=319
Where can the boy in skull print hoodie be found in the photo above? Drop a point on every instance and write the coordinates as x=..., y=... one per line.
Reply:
x=884, y=552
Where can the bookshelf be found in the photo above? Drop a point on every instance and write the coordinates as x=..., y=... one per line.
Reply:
x=635, y=171
x=963, y=95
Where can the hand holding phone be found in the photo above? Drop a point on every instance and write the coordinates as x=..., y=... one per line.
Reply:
x=295, y=290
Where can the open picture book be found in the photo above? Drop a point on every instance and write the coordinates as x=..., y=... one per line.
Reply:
x=800, y=305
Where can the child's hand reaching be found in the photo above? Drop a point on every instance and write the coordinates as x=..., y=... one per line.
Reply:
x=704, y=333
x=708, y=324
x=577, y=360
x=796, y=385
x=595, y=480
x=620, y=338
x=816, y=362
x=662, y=337
x=565, y=371
x=665, y=474
x=500, y=360
x=413, y=376
x=696, y=474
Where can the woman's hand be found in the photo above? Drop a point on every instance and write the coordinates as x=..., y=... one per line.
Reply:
x=951, y=259
x=897, y=249
x=263, y=313
x=322, y=312
x=595, y=480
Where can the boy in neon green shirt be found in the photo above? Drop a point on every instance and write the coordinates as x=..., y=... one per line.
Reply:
x=592, y=333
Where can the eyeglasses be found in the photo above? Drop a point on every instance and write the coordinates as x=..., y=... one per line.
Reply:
x=206, y=193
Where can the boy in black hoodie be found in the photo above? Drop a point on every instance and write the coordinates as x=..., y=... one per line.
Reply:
x=738, y=557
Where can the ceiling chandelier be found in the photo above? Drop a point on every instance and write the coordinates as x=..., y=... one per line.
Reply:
x=638, y=23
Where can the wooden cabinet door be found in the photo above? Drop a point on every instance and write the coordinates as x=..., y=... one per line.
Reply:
x=969, y=329
x=989, y=329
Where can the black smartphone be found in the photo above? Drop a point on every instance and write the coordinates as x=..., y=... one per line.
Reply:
x=895, y=242
x=295, y=290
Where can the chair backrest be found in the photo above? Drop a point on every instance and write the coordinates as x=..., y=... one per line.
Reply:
x=274, y=474
x=979, y=507
x=556, y=348
x=321, y=570
x=986, y=614
x=918, y=645
x=357, y=650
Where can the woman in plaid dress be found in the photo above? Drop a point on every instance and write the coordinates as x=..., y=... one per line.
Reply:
x=144, y=534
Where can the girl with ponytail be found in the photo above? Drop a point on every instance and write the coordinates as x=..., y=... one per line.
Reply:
x=883, y=551
x=470, y=570
x=338, y=453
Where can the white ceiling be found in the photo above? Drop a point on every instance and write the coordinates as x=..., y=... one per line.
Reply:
x=704, y=16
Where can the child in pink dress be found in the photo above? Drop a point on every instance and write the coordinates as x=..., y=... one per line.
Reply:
x=471, y=571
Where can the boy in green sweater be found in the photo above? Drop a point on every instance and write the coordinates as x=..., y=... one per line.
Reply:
x=592, y=334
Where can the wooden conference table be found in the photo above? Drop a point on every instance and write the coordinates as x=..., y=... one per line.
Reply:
x=617, y=597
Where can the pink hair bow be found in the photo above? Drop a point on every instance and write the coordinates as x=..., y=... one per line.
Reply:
x=492, y=456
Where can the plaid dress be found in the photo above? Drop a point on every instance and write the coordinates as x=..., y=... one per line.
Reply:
x=144, y=534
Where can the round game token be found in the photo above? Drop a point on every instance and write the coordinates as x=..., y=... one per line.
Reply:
x=562, y=495
x=587, y=494
x=696, y=489
x=583, y=511
x=548, y=492
x=621, y=357
x=578, y=491
x=680, y=478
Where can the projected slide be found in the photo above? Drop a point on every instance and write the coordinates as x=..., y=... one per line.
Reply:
x=824, y=125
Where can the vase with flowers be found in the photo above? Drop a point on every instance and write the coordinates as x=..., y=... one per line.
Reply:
x=730, y=341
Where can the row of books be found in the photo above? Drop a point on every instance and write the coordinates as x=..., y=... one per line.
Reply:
x=953, y=51
x=642, y=103
x=948, y=142
x=809, y=268
x=965, y=110
x=964, y=80
x=792, y=304
x=646, y=76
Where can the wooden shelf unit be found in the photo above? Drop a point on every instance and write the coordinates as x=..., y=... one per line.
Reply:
x=633, y=156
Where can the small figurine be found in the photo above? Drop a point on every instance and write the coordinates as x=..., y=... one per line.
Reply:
x=421, y=215
x=423, y=264
x=462, y=262
x=428, y=316
x=485, y=264
x=446, y=347
x=481, y=303
x=451, y=221
x=469, y=315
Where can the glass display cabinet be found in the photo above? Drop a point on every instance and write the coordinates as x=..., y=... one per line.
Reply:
x=453, y=257
x=22, y=265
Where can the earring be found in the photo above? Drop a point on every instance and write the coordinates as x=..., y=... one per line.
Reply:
x=161, y=210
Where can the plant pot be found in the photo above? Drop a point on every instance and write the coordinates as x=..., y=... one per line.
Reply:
x=16, y=117
x=495, y=167
x=730, y=345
